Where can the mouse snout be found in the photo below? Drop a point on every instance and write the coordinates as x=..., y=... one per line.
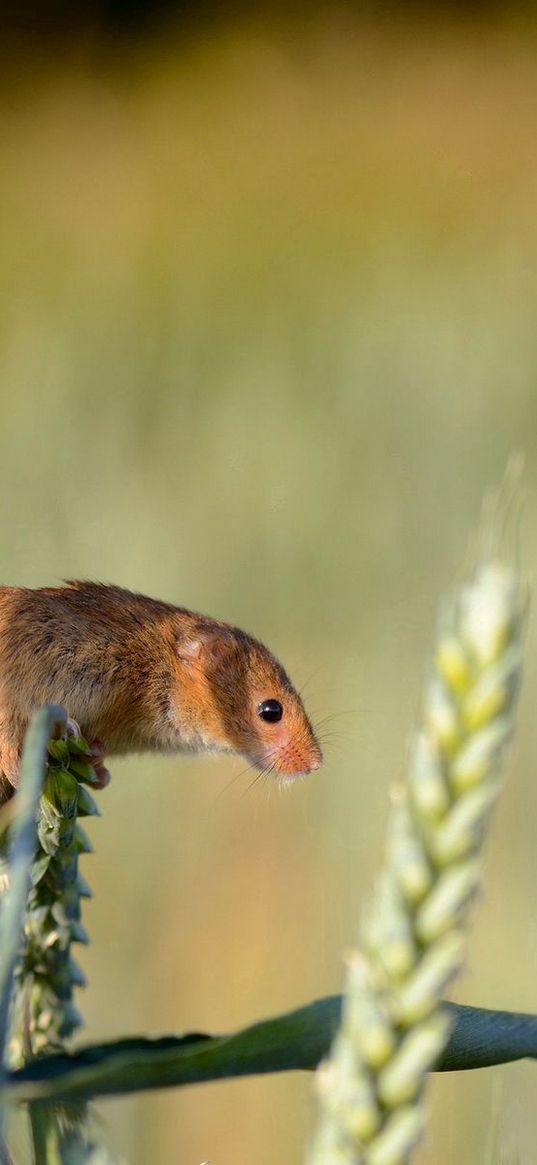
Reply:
x=294, y=755
x=298, y=762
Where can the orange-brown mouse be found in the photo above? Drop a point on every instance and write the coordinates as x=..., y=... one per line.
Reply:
x=138, y=674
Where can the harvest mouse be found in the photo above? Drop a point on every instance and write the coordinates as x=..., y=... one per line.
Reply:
x=138, y=674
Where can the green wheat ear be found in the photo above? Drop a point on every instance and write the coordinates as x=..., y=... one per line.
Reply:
x=40, y=913
x=393, y=1027
x=43, y=1011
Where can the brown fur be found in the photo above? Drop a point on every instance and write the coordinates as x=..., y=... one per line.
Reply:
x=138, y=674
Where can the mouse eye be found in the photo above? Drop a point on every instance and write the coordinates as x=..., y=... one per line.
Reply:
x=270, y=710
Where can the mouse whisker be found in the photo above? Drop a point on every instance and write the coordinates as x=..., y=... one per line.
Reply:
x=234, y=779
x=330, y=717
x=308, y=680
x=260, y=776
x=331, y=734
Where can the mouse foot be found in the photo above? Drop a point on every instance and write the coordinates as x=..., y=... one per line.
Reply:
x=102, y=776
x=90, y=769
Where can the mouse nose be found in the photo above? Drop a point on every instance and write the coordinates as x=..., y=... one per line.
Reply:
x=298, y=762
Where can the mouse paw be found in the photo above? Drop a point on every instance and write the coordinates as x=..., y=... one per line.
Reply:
x=96, y=758
x=87, y=763
x=102, y=777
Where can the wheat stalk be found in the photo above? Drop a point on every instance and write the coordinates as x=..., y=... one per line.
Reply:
x=393, y=1026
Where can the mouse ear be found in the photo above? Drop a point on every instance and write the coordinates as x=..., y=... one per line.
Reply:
x=208, y=649
x=189, y=649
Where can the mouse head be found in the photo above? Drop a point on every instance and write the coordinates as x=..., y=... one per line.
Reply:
x=250, y=704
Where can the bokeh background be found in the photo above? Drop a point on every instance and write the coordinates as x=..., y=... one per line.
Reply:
x=268, y=331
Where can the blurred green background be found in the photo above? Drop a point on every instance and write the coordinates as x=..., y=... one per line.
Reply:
x=268, y=331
